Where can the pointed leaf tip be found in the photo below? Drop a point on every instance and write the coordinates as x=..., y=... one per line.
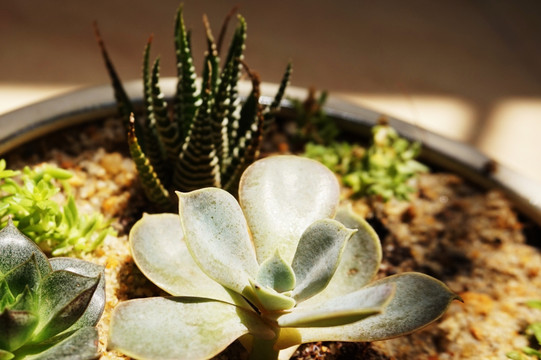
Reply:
x=276, y=274
x=342, y=310
x=360, y=260
x=418, y=301
x=318, y=256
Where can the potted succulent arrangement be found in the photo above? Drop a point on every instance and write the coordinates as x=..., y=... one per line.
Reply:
x=49, y=306
x=217, y=238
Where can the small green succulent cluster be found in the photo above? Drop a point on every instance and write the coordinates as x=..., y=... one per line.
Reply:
x=384, y=169
x=534, y=331
x=48, y=308
x=27, y=197
x=282, y=267
x=212, y=135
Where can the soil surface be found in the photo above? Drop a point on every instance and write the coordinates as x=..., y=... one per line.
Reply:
x=471, y=239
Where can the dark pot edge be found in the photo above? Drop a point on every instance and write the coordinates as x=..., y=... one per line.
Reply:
x=83, y=105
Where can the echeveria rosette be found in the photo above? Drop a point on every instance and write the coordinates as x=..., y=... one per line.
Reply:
x=281, y=267
x=48, y=308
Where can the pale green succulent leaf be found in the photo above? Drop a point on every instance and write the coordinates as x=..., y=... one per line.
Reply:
x=418, y=301
x=75, y=345
x=218, y=238
x=17, y=248
x=63, y=298
x=187, y=328
x=276, y=274
x=16, y=328
x=281, y=196
x=94, y=310
x=269, y=299
x=360, y=260
x=317, y=257
x=158, y=248
x=341, y=310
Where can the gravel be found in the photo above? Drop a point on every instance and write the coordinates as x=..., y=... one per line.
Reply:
x=471, y=239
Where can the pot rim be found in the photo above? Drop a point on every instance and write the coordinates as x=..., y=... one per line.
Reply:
x=96, y=102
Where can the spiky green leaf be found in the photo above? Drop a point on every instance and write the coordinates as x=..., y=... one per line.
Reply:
x=167, y=130
x=186, y=98
x=125, y=107
x=198, y=165
x=154, y=148
x=152, y=185
x=270, y=112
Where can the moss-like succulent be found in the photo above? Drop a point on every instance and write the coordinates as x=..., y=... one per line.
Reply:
x=533, y=331
x=212, y=135
x=284, y=267
x=385, y=169
x=48, y=308
x=28, y=198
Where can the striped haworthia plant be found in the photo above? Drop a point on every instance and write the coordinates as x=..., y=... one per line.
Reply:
x=212, y=134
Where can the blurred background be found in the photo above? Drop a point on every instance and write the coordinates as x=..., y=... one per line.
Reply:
x=468, y=69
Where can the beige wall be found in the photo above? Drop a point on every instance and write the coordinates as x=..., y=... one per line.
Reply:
x=470, y=69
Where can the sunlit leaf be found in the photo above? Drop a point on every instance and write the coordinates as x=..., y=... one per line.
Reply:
x=317, y=257
x=188, y=328
x=276, y=274
x=280, y=201
x=360, y=260
x=158, y=248
x=218, y=238
x=418, y=301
